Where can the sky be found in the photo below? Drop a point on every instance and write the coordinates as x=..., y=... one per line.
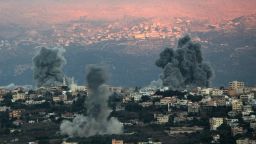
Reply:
x=55, y=11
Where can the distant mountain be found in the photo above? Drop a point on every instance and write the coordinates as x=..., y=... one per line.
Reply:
x=230, y=47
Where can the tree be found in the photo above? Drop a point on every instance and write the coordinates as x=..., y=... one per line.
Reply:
x=225, y=134
x=4, y=120
x=146, y=117
x=7, y=99
x=195, y=98
x=133, y=107
x=145, y=98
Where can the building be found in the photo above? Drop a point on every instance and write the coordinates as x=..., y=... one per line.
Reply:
x=215, y=123
x=15, y=113
x=114, y=141
x=237, y=130
x=220, y=100
x=166, y=100
x=162, y=119
x=193, y=108
x=206, y=91
x=216, y=92
x=243, y=141
x=237, y=105
x=59, y=98
x=182, y=130
x=65, y=142
x=246, y=98
x=4, y=108
x=247, y=108
x=18, y=96
x=146, y=104
x=136, y=96
x=115, y=89
x=236, y=85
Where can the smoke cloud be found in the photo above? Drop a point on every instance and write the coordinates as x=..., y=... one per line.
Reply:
x=184, y=67
x=97, y=120
x=47, y=66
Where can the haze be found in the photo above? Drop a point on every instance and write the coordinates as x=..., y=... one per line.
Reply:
x=49, y=11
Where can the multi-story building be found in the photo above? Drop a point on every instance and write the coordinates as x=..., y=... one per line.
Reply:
x=216, y=92
x=237, y=105
x=206, y=91
x=236, y=85
x=215, y=122
x=19, y=96
x=220, y=100
x=166, y=100
x=193, y=108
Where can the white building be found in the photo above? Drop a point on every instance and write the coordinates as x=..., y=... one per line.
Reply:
x=216, y=92
x=215, y=123
x=236, y=85
x=162, y=119
x=237, y=105
x=206, y=91
x=18, y=96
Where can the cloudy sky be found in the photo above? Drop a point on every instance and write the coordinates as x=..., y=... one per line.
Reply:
x=52, y=11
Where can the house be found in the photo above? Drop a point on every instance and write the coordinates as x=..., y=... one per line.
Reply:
x=167, y=100
x=18, y=96
x=18, y=122
x=182, y=130
x=248, y=118
x=232, y=122
x=16, y=113
x=215, y=123
x=114, y=141
x=59, y=98
x=215, y=138
x=4, y=108
x=162, y=119
x=136, y=96
x=65, y=142
x=115, y=89
x=243, y=141
x=206, y=91
x=182, y=102
x=150, y=141
x=237, y=130
x=237, y=105
x=247, y=108
x=146, y=104
x=68, y=115
x=253, y=125
x=220, y=100
x=193, y=108
x=181, y=117
x=216, y=92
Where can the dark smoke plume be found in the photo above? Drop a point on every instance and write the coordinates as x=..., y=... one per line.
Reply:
x=47, y=66
x=184, y=67
x=97, y=121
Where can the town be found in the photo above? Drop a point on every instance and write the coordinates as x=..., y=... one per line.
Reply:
x=149, y=115
x=125, y=31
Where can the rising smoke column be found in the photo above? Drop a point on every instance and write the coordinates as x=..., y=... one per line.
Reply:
x=184, y=67
x=47, y=66
x=97, y=121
